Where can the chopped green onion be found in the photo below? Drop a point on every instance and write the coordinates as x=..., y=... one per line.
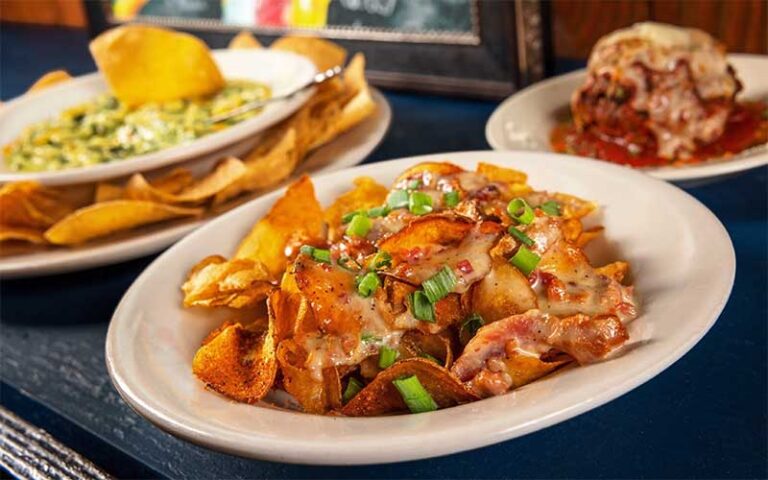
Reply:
x=381, y=260
x=318, y=254
x=397, y=199
x=520, y=211
x=381, y=211
x=414, y=184
x=430, y=357
x=469, y=327
x=551, y=208
x=415, y=396
x=421, y=307
x=440, y=284
x=387, y=356
x=520, y=235
x=353, y=388
x=368, y=284
x=347, y=263
x=359, y=226
x=419, y=203
x=347, y=217
x=451, y=199
x=369, y=337
x=525, y=260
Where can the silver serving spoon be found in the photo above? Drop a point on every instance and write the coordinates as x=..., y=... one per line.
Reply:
x=316, y=80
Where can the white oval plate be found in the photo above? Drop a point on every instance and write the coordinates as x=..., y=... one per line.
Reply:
x=347, y=150
x=525, y=120
x=683, y=265
x=284, y=72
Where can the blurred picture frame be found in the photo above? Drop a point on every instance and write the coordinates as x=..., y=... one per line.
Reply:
x=471, y=48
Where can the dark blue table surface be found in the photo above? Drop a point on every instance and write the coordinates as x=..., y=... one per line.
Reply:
x=704, y=417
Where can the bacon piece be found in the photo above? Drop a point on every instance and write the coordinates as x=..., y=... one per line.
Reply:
x=586, y=339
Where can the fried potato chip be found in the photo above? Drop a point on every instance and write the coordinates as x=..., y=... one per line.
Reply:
x=380, y=397
x=434, y=229
x=574, y=207
x=244, y=40
x=523, y=369
x=104, y=218
x=238, y=362
x=265, y=168
x=587, y=236
x=366, y=194
x=418, y=344
x=295, y=218
x=216, y=282
x=616, y=270
x=322, y=53
x=21, y=234
x=49, y=79
x=495, y=173
x=226, y=173
x=436, y=168
x=314, y=396
x=149, y=64
x=503, y=292
x=31, y=205
x=571, y=228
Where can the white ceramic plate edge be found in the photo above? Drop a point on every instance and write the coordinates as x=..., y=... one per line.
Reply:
x=449, y=440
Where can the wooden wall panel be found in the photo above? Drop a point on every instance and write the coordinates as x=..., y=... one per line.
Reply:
x=741, y=24
x=69, y=13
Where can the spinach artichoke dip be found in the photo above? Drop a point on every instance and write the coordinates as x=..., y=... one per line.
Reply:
x=104, y=130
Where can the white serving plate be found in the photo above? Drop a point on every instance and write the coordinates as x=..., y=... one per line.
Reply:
x=284, y=72
x=683, y=267
x=525, y=120
x=347, y=150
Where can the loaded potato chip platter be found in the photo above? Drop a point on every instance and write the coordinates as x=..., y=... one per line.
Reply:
x=407, y=290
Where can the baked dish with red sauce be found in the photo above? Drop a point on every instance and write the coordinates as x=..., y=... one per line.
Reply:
x=659, y=95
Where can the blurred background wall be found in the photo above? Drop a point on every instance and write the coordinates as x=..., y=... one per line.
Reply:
x=576, y=24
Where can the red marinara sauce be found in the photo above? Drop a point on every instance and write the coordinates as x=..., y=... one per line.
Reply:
x=746, y=127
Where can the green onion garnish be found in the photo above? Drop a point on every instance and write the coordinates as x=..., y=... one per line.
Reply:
x=359, y=226
x=387, y=356
x=440, y=284
x=318, y=254
x=368, y=284
x=430, y=357
x=414, y=184
x=397, y=199
x=421, y=307
x=381, y=211
x=369, y=337
x=520, y=235
x=353, y=388
x=415, y=396
x=419, y=203
x=381, y=260
x=469, y=327
x=525, y=260
x=520, y=211
x=451, y=199
x=347, y=217
x=347, y=263
x=551, y=208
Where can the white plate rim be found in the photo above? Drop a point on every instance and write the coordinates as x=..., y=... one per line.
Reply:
x=692, y=173
x=428, y=444
x=167, y=156
x=127, y=249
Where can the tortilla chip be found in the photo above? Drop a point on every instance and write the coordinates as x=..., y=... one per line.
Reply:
x=244, y=40
x=314, y=396
x=21, y=234
x=238, y=362
x=354, y=77
x=380, y=397
x=150, y=64
x=355, y=111
x=174, y=181
x=265, y=168
x=106, y=192
x=571, y=229
x=495, y=173
x=366, y=194
x=31, y=205
x=436, y=168
x=295, y=219
x=49, y=79
x=216, y=282
x=574, y=207
x=104, y=218
x=322, y=53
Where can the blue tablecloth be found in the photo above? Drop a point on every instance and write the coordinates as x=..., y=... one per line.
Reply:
x=703, y=417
